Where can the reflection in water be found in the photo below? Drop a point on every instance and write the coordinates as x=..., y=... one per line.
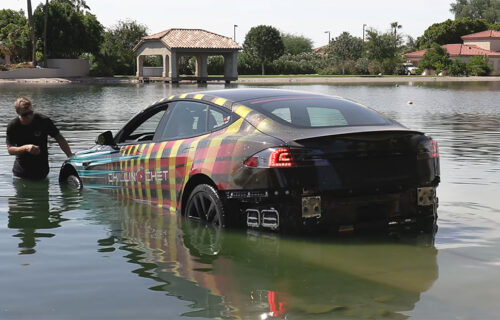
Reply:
x=29, y=212
x=472, y=136
x=238, y=274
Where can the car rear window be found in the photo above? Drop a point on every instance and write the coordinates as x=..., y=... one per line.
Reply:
x=314, y=112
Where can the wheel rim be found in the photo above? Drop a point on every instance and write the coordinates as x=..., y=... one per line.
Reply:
x=73, y=182
x=204, y=207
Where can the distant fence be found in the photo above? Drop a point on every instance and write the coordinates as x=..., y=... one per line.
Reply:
x=56, y=68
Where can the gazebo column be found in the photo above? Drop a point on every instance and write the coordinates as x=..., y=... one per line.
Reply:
x=164, y=73
x=173, y=66
x=140, y=66
x=202, y=66
x=231, y=65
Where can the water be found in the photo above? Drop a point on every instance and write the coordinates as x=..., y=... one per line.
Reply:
x=88, y=255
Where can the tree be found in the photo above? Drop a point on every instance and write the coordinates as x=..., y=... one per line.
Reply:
x=345, y=47
x=476, y=9
x=265, y=43
x=296, y=44
x=394, y=27
x=410, y=45
x=45, y=21
x=69, y=33
x=436, y=58
x=15, y=34
x=450, y=31
x=80, y=4
x=382, y=48
x=32, y=34
x=118, y=43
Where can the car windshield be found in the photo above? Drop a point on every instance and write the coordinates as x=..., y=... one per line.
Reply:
x=315, y=112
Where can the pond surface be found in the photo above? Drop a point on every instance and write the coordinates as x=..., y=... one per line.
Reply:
x=67, y=255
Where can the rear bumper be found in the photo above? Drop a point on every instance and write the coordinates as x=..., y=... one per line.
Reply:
x=335, y=211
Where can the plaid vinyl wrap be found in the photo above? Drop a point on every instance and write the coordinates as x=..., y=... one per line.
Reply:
x=157, y=172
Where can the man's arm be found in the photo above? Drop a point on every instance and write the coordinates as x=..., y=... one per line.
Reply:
x=27, y=148
x=63, y=144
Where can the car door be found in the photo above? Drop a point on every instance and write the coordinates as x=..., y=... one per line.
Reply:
x=185, y=128
x=132, y=172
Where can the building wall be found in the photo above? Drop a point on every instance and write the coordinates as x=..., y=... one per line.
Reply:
x=57, y=68
x=495, y=62
x=490, y=44
x=495, y=45
x=152, y=48
x=70, y=67
x=484, y=44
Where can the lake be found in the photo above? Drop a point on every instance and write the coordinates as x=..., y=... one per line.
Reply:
x=81, y=255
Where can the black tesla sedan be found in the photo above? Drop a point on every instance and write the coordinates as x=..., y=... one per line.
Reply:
x=265, y=158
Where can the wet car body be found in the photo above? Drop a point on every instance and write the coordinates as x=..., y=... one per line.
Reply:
x=265, y=158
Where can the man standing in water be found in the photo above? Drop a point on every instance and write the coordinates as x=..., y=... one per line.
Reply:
x=27, y=140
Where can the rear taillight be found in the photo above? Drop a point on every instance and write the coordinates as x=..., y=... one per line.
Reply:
x=428, y=149
x=434, y=149
x=271, y=158
x=281, y=157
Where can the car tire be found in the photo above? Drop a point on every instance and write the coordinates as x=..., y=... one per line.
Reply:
x=74, y=182
x=204, y=204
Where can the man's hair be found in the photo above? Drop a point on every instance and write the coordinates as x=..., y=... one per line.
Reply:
x=22, y=103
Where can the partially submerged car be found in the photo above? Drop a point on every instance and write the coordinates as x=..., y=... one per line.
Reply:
x=265, y=158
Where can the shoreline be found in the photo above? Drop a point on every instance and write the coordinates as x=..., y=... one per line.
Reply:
x=262, y=80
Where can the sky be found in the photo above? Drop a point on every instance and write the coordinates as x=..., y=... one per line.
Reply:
x=309, y=18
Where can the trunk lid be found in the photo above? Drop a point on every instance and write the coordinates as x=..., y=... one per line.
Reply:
x=363, y=159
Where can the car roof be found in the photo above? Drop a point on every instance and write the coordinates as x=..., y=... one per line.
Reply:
x=239, y=95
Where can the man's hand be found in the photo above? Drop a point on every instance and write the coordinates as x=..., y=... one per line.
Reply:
x=31, y=148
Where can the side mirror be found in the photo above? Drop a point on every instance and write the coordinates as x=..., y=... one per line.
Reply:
x=105, y=139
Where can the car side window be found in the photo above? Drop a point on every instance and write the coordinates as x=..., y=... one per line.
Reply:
x=143, y=128
x=217, y=118
x=187, y=119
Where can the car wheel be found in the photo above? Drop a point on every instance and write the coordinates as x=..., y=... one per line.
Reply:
x=204, y=204
x=74, y=182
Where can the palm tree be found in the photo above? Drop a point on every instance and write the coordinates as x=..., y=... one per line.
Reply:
x=80, y=4
x=395, y=26
x=45, y=18
x=32, y=32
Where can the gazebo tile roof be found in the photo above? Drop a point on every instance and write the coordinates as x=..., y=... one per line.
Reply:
x=192, y=39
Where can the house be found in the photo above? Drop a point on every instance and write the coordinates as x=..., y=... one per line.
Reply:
x=171, y=44
x=484, y=43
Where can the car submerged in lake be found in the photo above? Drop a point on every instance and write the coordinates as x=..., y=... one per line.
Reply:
x=266, y=158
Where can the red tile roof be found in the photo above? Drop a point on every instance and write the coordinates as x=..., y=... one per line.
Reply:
x=192, y=39
x=319, y=49
x=483, y=35
x=456, y=50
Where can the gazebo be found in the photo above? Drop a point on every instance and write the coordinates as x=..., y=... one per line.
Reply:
x=172, y=44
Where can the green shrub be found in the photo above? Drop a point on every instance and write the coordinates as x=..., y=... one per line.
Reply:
x=457, y=68
x=478, y=66
x=302, y=63
x=362, y=66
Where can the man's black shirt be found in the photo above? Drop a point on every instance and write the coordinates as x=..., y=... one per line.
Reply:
x=28, y=165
